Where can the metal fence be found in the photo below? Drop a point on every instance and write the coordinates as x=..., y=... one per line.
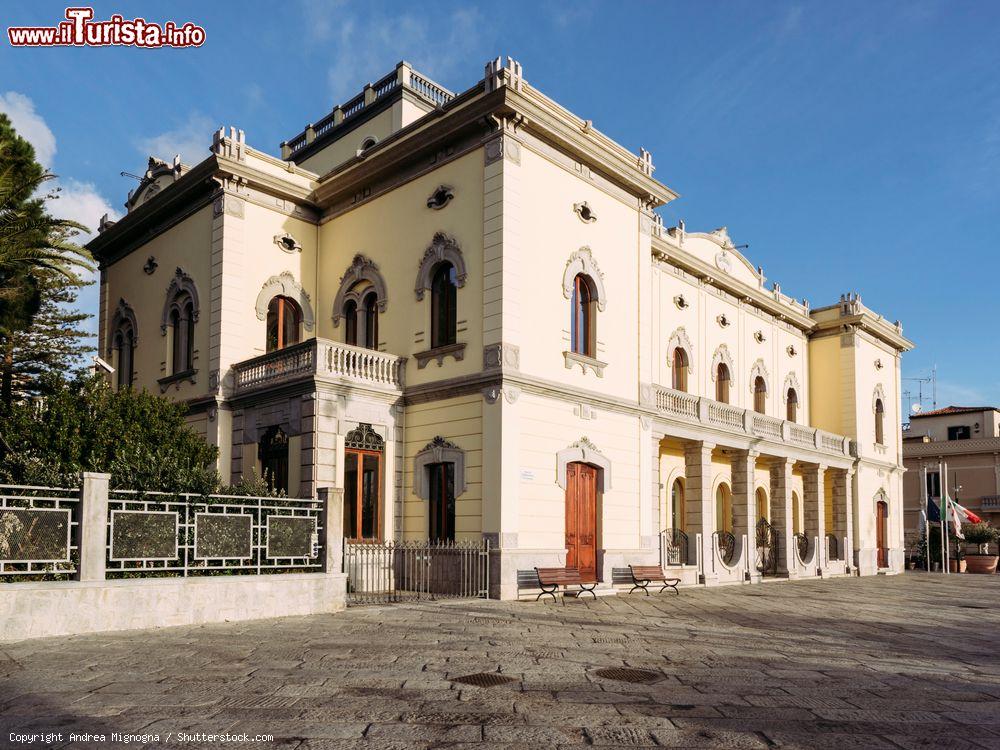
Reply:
x=153, y=534
x=391, y=571
x=39, y=533
x=673, y=547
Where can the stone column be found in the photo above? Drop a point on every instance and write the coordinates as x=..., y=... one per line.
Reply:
x=93, y=526
x=698, y=502
x=781, y=513
x=743, y=463
x=815, y=511
x=656, y=500
x=841, y=489
x=333, y=525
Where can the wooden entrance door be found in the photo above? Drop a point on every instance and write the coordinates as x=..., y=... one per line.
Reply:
x=581, y=519
x=881, y=512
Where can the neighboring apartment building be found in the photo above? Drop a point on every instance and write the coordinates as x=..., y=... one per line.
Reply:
x=967, y=439
x=463, y=310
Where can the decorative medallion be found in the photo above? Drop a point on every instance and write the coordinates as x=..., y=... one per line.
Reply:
x=586, y=214
x=681, y=302
x=723, y=261
x=440, y=197
x=759, y=337
x=151, y=265
x=287, y=243
x=792, y=351
x=723, y=321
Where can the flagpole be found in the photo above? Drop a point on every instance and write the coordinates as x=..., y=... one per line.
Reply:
x=927, y=524
x=941, y=511
x=945, y=503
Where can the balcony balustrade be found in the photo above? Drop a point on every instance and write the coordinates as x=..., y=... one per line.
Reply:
x=323, y=359
x=734, y=419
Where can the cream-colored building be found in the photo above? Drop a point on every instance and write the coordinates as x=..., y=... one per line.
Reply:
x=463, y=310
x=966, y=439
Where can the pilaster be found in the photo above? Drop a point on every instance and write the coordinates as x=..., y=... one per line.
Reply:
x=698, y=502
x=815, y=510
x=781, y=511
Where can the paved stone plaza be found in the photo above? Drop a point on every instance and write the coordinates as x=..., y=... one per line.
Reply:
x=906, y=662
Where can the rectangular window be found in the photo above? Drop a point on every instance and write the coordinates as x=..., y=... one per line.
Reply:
x=933, y=484
x=959, y=432
x=441, y=509
x=362, y=493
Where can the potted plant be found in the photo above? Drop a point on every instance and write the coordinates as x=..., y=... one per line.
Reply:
x=981, y=534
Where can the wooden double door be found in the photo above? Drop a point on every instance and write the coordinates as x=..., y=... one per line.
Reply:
x=581, y=519
x=881, y=533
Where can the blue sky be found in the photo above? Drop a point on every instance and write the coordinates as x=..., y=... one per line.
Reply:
x=854, y=145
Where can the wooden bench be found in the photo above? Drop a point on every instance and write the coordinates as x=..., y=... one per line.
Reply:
x=550, y=579
x=643, y=575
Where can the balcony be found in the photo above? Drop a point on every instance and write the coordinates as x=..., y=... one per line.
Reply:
x=322, y=359
x=705, y=412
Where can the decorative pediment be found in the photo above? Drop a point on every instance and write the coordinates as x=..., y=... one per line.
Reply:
x=582, y=261
x=361, y=269
x=722, y=357
x=443, y=247
x=878, y=393
x=123, y=318
x=438, y=451
x=759, y=369
x=285, y=285
x=180, y=285
x=791, y=382
x=680, y=338
x=584, y=451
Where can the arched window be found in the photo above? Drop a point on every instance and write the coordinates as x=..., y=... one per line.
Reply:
x=368, y=142
x=722, y=383
x=284, y=320
x=273, y=453
x=759, y=395
x=797, y=520
x=181, y=321
x=371, y=320
x=444, y=305
x=680, y=368
x=351, y=322
x=791, y=405
x=677, y=504
x=583, y=321
x=723, y=509
x=879, y=422
x=763, y=511
x=123, y=355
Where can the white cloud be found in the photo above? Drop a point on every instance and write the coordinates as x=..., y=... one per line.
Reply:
x=29, y=125
x=362, y=50
x=81, y=202
x=191, y=140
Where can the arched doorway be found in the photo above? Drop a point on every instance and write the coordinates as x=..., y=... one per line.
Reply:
x=273, y=455
x=763, y=506
x=881, y=533
x=723, y=508
x=581, y=519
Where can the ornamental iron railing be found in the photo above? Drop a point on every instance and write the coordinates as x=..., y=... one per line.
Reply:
x=767, y=548
x=39, y=533
x=401, y=571
x=162, y=534
x=725, y=542
x=801, y=542
x=673, y=547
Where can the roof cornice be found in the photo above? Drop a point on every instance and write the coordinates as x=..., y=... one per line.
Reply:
x=759, y=298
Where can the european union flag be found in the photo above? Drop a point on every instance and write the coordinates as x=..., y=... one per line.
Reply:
x=933, y=513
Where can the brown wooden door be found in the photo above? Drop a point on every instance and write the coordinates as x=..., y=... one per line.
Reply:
x=581, y=519
x=881, y=511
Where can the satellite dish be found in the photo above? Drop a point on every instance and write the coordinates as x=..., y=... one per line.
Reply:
x=916, y=408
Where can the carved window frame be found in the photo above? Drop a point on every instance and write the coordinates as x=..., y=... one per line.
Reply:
x=438, y=451
x=361, y=269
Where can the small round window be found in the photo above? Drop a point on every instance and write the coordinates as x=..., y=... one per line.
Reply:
x=367, y=143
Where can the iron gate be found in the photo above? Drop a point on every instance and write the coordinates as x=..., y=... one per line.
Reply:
x=391, y=571
x=767, y=548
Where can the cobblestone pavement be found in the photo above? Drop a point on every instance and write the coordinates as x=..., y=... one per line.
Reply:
x=906, y=662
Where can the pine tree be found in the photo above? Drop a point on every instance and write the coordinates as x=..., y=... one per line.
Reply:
x=54, y=342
